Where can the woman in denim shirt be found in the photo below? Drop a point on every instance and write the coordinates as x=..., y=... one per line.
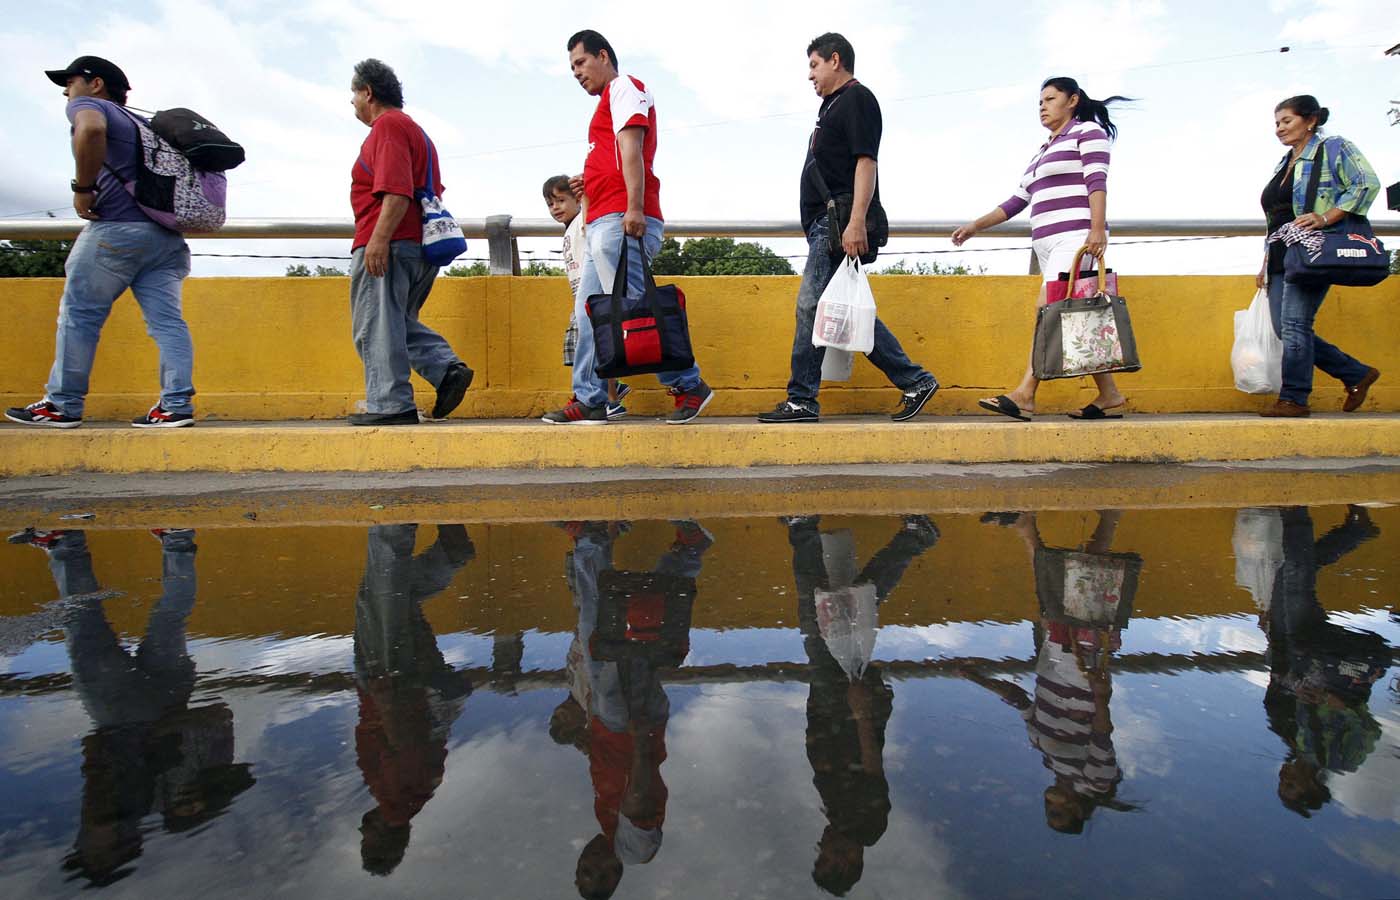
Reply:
x=1346, y=185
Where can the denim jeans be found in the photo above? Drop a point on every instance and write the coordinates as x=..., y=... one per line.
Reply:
x=599, y=267
x=106, y=259
x=117, y=687
x=391, y=634
x=1293, y=308
x=887, y=355
x=390, y=339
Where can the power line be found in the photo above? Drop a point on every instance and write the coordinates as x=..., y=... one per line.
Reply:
x=726, y=256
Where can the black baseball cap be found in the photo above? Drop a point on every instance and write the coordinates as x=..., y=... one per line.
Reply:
x=90, y=67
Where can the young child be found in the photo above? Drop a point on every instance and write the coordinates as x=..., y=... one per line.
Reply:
x=564, y=208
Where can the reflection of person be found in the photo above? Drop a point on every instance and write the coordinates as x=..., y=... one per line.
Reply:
x=409, y=695
x=847, y=706
x=1320, y=673
x=1347, y=185
x=1085, y=600
x=630, y=625
x=148, y=751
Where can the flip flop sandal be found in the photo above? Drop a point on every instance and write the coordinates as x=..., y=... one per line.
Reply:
x=1004, y=405
x=1092, y=412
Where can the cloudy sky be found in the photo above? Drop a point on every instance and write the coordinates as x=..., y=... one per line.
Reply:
x=958, y=84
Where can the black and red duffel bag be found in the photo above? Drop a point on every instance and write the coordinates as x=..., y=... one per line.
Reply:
x=637, y=335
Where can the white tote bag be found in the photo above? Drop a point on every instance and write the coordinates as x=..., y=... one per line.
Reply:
x=1257, y=356
x=846, y=311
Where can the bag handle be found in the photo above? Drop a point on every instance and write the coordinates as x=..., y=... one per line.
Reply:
x=432, y=152
x=1315, y=176
x=1074, y=272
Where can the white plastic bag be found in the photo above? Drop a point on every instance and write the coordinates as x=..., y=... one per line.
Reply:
x=847, y=613
x=1257, y=356
x=846, y=311
x=1258, y=546
x=836, y=364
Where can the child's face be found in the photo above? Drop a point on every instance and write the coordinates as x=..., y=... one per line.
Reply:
x=562, y=206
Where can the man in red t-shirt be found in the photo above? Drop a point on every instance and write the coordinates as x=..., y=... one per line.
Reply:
x=389, y=279
x=624, y=200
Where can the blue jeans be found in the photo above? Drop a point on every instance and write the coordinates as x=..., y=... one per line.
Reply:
x=599, y=267
x=1293, y=308
x=106, y=259
x=887, y=355
x=392, y=343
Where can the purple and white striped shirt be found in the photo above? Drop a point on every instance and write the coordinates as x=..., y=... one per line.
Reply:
x=1059, y=180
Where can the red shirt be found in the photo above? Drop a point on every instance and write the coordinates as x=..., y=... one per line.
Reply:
x=623, y=103
x=392, y=160
x=610, y=766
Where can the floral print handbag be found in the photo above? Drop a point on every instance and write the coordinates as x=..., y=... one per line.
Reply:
x=1084, y=335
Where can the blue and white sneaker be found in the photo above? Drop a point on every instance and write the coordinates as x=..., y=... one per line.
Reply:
x=616, y=411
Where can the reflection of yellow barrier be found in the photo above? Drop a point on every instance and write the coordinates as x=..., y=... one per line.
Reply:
x=279, y=348
x=285, y=583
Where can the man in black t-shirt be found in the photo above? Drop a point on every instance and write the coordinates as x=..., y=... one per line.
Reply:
x=840, y=163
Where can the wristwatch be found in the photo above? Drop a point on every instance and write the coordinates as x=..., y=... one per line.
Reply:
x=82, y=188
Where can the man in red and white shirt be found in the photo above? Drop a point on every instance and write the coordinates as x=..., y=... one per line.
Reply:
x=624, y=200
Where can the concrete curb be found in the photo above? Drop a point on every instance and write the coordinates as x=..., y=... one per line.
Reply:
x=336, y=447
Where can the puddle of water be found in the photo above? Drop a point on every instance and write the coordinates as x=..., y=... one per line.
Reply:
x=1167, y=702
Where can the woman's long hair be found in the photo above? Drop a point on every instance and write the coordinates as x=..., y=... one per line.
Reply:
x=1089, y=109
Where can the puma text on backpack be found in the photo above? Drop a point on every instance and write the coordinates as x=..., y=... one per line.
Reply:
x=170, y=190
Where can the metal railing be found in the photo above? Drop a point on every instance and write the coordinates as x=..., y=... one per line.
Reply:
x=501, y=232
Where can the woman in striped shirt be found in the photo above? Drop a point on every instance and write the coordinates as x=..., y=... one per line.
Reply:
x=1065, y=187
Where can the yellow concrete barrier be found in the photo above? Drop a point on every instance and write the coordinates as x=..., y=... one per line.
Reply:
x=279, y=348
x=301, y=582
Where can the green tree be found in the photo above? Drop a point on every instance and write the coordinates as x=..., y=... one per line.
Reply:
x=717, y=256
x=460, y=271
x=540, y=267
x=903, y=267
x=301, y=271
x=33, y=259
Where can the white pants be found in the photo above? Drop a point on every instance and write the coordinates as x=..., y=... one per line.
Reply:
x=1056, y=253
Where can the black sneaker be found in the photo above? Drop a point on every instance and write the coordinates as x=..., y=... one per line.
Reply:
x=689, y=403
x=576, y=413
x=159, y=418
x=788, y=411
x=41, y=413
x=923, y=528
x=616, y=411
x=453, y=387
x=34, y=537
x=407, y=417
x=913, y=401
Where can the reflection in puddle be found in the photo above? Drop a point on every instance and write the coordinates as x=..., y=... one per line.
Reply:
x=739, y=707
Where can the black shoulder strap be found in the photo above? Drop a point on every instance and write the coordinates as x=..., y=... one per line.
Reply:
x=1319, y=160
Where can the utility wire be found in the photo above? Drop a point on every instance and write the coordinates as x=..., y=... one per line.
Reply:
x=936, y=94
x=726, y=256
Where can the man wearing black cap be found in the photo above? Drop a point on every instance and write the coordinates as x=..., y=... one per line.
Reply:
x=120, y=248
